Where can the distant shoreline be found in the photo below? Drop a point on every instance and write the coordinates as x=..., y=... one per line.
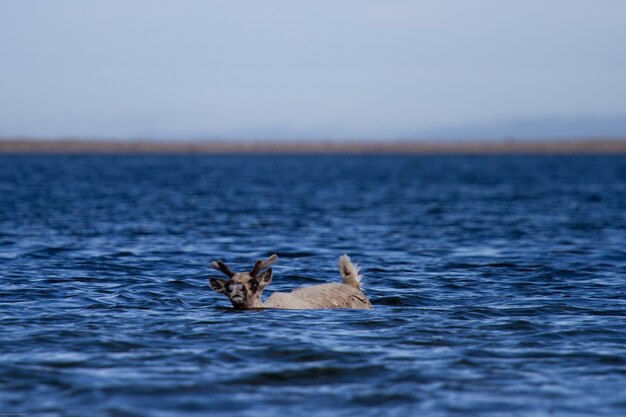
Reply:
x=72, y=146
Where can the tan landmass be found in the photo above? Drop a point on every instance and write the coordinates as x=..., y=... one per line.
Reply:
x=584, y=146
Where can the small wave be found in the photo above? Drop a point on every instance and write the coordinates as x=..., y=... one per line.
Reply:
x=308, y=375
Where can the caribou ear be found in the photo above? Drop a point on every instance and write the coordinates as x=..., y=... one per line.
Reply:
x=218, y=285
x=265, y=278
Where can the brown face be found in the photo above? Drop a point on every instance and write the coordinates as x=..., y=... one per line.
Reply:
x=242, y=289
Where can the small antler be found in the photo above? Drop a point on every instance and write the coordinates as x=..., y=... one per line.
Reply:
x=222, y=267
x=260, y=265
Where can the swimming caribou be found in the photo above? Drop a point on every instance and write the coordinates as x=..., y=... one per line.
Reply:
x=244, y=289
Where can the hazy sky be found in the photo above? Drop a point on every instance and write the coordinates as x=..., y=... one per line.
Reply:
x=306, y=69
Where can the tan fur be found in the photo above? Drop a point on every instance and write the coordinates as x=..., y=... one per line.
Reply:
x=319, y=296
x=244, y=289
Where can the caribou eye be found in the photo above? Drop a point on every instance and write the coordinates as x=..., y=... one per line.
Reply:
x=254, y=285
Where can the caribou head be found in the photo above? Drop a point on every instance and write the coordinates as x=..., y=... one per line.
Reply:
x=244, y=289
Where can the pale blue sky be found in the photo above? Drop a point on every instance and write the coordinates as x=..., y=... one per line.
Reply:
x=309, y=69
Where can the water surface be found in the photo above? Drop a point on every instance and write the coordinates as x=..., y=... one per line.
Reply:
x=497, y=284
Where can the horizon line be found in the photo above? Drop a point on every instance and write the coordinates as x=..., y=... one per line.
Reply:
x=604, y=145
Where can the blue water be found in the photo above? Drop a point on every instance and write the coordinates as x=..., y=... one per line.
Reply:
x=498, y=285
